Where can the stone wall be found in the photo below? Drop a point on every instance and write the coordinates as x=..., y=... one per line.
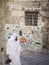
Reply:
x=16, y=16
x=2, y=32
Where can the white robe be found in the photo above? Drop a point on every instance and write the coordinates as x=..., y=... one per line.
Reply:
x=14, y=49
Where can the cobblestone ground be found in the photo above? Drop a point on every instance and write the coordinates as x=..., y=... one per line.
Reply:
x=34, y=58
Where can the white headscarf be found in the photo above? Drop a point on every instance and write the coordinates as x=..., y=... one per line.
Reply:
x=14, y=36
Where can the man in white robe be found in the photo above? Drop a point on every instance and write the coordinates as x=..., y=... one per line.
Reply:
x=13, y=50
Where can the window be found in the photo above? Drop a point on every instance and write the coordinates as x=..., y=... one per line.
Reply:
x=31, y=18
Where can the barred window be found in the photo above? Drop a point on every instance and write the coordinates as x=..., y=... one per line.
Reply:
x=31, y=18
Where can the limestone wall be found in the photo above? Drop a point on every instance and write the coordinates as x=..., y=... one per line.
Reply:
x=15, y=21
x=2, y=33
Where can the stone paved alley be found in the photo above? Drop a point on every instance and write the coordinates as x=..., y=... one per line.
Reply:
x=34, y=58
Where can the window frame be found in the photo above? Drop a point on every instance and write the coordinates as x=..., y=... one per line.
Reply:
x=31, y=13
